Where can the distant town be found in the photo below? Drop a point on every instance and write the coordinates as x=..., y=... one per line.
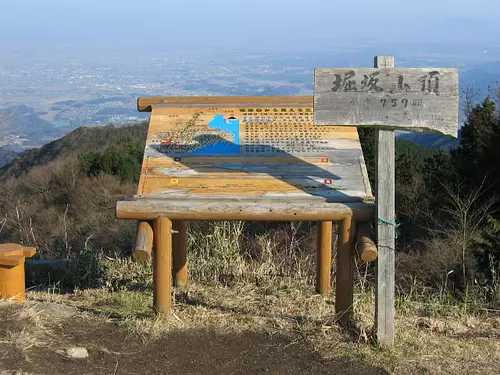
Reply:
x=45, y=93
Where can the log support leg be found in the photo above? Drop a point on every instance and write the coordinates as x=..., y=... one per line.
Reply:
x=179, y=249
x=344, y=286
x=324, y=257
x=162, y=266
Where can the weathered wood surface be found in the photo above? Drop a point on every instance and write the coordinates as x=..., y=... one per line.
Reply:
x=249, y=148
x=409, y=98
x=150, y=209
x=143, y=242
x=365, y=243
x=385, y=304
x=324, y=257
x=146, y=103
x=386, y=196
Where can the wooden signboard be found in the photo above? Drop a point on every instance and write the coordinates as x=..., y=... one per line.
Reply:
x=250, y=151
x=409, y=99
x=387, y=98
x=246, y=158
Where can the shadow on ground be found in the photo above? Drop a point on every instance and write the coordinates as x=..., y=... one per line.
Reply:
x=114, y=350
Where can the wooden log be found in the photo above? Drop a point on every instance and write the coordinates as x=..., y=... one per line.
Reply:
x=324, y=257
x=365, y=242
x=179, y=249
x=162, y=266
x=344, y=288
x=143, y=242
x=145, y=103
x=385, y=164
x=145, y=209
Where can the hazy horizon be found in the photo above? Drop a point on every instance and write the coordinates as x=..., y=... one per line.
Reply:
x=237, y=26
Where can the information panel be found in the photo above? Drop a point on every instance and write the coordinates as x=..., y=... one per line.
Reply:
x=255, y=151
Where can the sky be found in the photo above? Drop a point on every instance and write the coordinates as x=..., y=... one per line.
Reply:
x=238, y=24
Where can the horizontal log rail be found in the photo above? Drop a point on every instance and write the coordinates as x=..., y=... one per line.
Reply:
x=247, y=211
x=146, y=103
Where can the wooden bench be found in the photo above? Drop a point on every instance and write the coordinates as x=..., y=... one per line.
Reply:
x=246, y=158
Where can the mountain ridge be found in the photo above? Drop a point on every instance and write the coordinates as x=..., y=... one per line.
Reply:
x=75, y=142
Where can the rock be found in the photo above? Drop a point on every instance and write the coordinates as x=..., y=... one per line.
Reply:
x=271, y=298
x=77, y=353
x=423, y=323
x=54, y=310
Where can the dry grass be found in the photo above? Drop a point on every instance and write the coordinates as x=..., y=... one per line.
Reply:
x=24, y=326
x=265, y=284
x=447, y=343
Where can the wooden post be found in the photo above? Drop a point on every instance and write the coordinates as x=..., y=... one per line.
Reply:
x=345, y=270
x=143, y=242
x=387, y=98
x=179, y=253
x=385, y=195
x=162, y=266
x=324, y=257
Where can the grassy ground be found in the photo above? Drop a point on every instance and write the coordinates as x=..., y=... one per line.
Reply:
x=250, y=308
x=431, y=339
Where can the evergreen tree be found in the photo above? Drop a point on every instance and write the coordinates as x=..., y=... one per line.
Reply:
x=478, y=155
x=478, y=160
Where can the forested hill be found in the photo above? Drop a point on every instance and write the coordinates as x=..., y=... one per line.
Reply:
x=62, y=197
x=73, y=143
x=7, y=154
x=434, y=141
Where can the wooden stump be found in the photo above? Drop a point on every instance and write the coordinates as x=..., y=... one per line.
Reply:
x=179, y=249
x=365, y=242
x=324, y=257
x=12, y=277
x=162, y=266
x=345, y=270
x=143, y=242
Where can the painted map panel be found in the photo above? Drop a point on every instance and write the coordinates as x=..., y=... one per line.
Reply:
x=251, y=151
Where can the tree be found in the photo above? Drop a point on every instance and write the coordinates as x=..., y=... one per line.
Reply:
x=123, y=159
x=478, y=155
x=478, y=161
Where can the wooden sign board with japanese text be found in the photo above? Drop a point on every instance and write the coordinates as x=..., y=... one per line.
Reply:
x=231, y=148
x=390, y=98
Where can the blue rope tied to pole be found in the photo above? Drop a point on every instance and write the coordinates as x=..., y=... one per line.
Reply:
x=393, y=223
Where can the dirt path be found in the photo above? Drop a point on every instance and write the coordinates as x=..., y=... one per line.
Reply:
x=28, y=345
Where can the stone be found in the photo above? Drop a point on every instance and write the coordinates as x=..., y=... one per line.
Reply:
x=423, y=323
x=77, y=353
x=271, y=298
x=55, y=310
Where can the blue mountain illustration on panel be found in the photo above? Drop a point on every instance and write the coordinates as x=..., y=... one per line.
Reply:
x=232, y=126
